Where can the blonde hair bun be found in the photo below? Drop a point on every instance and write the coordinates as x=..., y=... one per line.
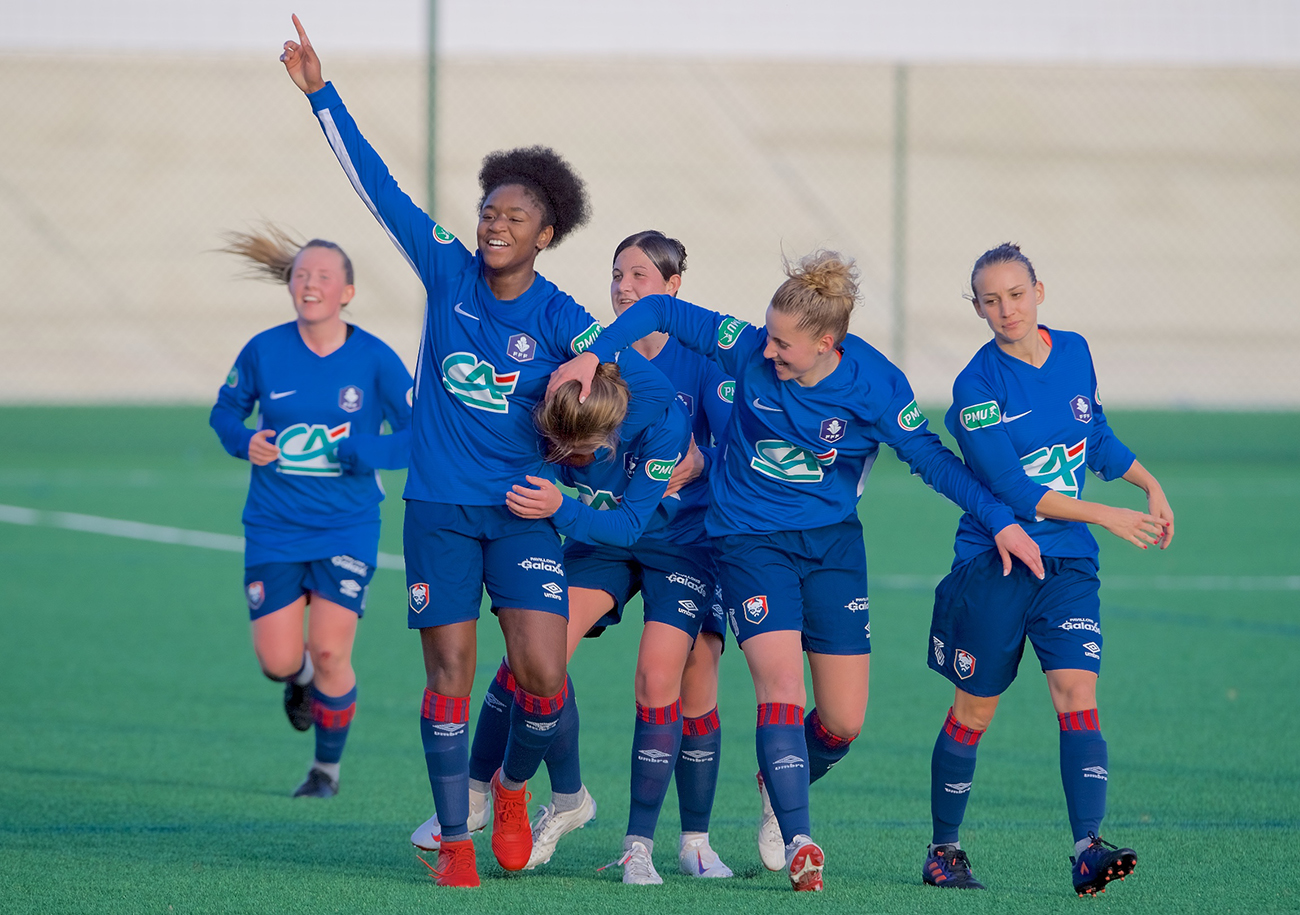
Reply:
x=821, y=290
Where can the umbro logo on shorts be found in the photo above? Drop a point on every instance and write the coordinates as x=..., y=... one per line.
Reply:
x=553, y=590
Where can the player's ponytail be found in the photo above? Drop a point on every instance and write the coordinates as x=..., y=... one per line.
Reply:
x=821, y=291
x=569, y=427
x=273, y=252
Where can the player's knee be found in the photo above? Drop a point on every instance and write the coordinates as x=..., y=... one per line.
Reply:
x=843, y=723
x=541, y=676
x=327, y=661
x=656, y=688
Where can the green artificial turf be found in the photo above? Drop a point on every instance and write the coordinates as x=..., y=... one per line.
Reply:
x=145, y=764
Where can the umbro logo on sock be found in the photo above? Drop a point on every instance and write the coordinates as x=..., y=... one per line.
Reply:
x=698, y=755
x=1095, y=772
x=653, y=756
x=788, y=762
x=540, y=725
x=956, y=787
x=493, y=702
x=450, y=729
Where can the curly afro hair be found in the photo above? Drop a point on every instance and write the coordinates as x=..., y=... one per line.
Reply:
x=550, y=180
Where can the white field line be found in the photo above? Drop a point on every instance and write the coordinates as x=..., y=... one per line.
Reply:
x=136, y=530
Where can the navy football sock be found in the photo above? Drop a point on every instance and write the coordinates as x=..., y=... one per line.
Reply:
x=333, y=718
x=656, y=740
x=562, y=761
x=824, y=748
x=493, y=728
x=697, y=770
x=1083, y=771
x=445, y=734
x=952, y=770
x=533, y=723
x=783, y=760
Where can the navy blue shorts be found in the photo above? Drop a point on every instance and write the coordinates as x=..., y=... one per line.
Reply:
x=981, y=619
x=453, y=551
x=271, y=586
x=813, y=582
x=678, y=584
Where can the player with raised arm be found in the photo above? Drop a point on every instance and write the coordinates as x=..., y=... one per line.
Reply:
x=494, y=329
x=1028, y=419
x=813, y=404
x=323, y=387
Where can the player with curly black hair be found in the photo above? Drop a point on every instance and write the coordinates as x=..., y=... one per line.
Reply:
x=494, y=330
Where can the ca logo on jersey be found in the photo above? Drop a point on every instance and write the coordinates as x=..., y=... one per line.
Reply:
x=601, y=500
x=478, y=384
x=1056, y=467
x=311, y=450
x=786, y=461
x=729, y=332
x=727, y=391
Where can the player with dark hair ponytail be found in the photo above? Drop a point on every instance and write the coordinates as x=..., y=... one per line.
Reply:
x=1028, y=419
x=494, y=329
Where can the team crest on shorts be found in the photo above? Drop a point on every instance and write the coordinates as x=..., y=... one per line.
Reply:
x=521, y=348
x=350, y=398
x=756, y=609
x=419, y=597
x=833, y=429
x=1081, y=407
x=964, y=663
x=256, y=593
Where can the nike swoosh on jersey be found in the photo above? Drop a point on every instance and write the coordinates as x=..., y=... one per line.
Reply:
x=1012, y=419
x=461, y=311
x=758, y=405
x=276, y=395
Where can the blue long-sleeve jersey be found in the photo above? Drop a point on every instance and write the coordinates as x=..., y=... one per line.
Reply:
x=483, y=363
x=1025, y=430
x=798, y=457
x=326, y=412
x=621, y=494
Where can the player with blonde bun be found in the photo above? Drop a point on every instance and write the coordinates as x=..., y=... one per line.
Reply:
x=813, y=404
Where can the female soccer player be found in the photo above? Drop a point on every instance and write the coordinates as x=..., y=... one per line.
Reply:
x=813, y=403
x=1027, y=416
x=621, y=542
x=323, y=388
x=494, y=330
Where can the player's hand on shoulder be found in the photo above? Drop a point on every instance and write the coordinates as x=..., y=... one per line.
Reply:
x=1013, y=541
x=541, y=500
x=260, y=450
x=300, y=60
x=581, y=368
x=687, y=470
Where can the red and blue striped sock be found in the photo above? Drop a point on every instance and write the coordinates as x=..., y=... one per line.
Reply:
x=824, y=748
x=697, y=770
x=493, y=727
x=444, y=731
x=656, y=740
x=533, y=723
x=783, y=759
x=952, y=771
x=333, y=717
x=1083, y=771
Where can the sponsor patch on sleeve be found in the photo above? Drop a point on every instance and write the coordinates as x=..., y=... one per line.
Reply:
x=232, y=380
x=442, y=236
x=910, y=417
x=660, y=471
x=979, y=415
x=580, y=343
x=729, y=332
x=727, y=391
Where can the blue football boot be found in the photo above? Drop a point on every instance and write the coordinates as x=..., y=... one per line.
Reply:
x=947, y=865
x=1099, y=864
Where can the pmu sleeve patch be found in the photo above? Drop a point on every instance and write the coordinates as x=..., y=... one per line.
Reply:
x=980, y=415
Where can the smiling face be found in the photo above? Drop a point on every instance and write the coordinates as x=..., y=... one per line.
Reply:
x=1008, y=300
x=318, y=285
x=796, y=354
x=635, y=276
x=510, y=231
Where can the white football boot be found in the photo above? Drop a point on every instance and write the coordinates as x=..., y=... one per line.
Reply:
x=549, y=827
x=803, y=862
x=697, y=859
x=771, y=848
x=638, y=869
x=428, y=835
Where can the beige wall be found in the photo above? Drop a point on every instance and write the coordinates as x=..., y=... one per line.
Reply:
x=1161, y=206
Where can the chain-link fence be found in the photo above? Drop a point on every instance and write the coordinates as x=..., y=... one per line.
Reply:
x=1161, y=206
